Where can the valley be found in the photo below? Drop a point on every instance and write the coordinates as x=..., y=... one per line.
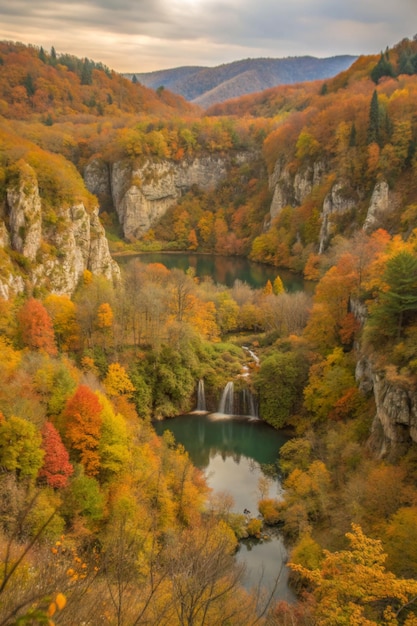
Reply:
x=148, y=243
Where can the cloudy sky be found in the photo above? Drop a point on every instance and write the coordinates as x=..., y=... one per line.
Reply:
x=146, y=35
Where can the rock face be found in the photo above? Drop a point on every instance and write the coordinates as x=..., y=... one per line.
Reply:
x=290, y=188
x=336, y=202
x=383, y=202
x=142, y=194
x=394, y=425
x=54, y=249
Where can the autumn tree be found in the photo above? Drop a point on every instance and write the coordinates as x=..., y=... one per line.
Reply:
x=205, y=578
x=81, y=425
x=36, y=327
x=331, y=391
x=278, y=286
x=113, y=446
x=353, y=586
x=56, y=468
x=117, y=381
x=20, y=447
x=63, y=314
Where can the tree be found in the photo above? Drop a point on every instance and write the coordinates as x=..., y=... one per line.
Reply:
x=113, y=446
x=82, y=427
x=400, y=544
x=382, y=68
x=353, y=587
x=204, y=576
x=56, y=468
x=63, y=314
x=331, y=391
x=374, y=120
x=36, y=327
x=278, y=286
x=268, y=289
x=20, y=447
x=279, y=384
x=397, y=303
x=117, y=381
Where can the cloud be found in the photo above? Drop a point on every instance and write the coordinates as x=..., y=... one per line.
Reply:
x=140, y=35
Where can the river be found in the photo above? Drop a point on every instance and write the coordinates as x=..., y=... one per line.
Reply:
x=232, y=451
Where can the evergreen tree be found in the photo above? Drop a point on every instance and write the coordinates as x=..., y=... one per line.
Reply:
x=42, y=55
x=382, y=68
x=87, y=72
x=398, y=305
x=374, y=121
x=29, y=85
x=134, y=79
x=352, y=137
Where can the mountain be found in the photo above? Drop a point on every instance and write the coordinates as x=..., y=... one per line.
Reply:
x=208, y=85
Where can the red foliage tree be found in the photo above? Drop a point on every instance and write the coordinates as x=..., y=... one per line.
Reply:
x=56, y=467
x=36, y=327
x=82, y=427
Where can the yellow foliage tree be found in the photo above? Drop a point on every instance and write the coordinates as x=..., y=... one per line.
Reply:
x=353, y=587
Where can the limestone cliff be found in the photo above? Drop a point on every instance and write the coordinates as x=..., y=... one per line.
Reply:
x=292, y=188
x=142, y=193
x=394, y=426
x=48, y=247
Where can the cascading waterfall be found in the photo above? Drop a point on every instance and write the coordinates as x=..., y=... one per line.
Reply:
x=248, y=406
x=239, y=402
x=201, y=396
x=226, y=405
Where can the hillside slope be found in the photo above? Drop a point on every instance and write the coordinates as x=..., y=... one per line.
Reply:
x=209, y=85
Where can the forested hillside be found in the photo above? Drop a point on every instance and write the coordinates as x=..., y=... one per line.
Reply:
x=208, y=85
x=101, y=520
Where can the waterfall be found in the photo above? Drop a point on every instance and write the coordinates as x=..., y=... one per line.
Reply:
x=201, y=397
x=226, y=405
x=248, y=404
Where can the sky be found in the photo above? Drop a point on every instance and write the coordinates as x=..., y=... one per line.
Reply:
x=147, y=35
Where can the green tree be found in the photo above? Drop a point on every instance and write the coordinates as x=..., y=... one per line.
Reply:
x=374, y=120
x=397, y=305
x=279, y=384
x=382, y=68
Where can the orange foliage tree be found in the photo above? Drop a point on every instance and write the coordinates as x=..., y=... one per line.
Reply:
x=82, y=427
x=36, y=327
x=56, y=468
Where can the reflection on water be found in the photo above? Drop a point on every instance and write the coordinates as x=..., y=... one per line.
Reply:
x=224, y=269
x=232, y=451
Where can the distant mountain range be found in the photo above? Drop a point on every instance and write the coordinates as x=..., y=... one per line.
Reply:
x=209, y=85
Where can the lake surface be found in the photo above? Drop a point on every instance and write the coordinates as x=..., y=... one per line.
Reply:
x=231, y=451
x=224, y=269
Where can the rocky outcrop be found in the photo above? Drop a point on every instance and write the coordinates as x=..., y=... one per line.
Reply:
x=54, y=247
x=25, y=214
x=394, y=425
x=292, y=189
x=383, y=203
x=141, y=194
x=336, y=202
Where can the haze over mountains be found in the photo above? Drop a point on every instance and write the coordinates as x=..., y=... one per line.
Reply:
x=209, y=85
